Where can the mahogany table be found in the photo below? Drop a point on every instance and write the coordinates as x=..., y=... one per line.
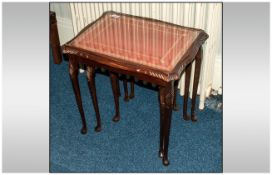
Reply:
x=147, y=49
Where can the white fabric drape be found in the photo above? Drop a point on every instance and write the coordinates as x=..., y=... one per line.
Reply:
x=207, y=16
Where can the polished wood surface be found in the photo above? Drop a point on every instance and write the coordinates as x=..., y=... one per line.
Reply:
x=86, y=49
x=132, y=67
x=130, y=39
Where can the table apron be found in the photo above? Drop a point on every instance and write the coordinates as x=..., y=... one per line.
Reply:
x=126, y=71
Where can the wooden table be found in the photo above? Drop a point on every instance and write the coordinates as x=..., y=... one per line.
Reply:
x=147, y=49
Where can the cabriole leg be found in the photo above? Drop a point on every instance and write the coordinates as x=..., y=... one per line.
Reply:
x=118, y=86
x=162, y=107
x=114, y=82
x=92, y=89
x=73, y=71
x=126, y=98
x=131, y=96
x=186, y=91
x=166, y=104
x=198, y=60
x=175, y=105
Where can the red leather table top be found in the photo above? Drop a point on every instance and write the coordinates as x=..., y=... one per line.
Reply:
x=146, y=42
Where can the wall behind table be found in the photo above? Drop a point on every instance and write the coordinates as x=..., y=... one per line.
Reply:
x=207, y=16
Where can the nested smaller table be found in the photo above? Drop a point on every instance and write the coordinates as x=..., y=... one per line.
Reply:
x=147, y=49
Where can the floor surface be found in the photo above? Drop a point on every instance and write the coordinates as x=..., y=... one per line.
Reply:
x=132, y=144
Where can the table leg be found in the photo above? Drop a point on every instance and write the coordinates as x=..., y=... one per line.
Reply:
x=175, y=105
x=54, y=39
x=198, y=59
x=114, y=82
x=162, y=106
x=131, y=96
x=118, y=86
x=126, y=98
x=73, y=71
x=166, y=105
x=186, y=91
x=92, y=89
